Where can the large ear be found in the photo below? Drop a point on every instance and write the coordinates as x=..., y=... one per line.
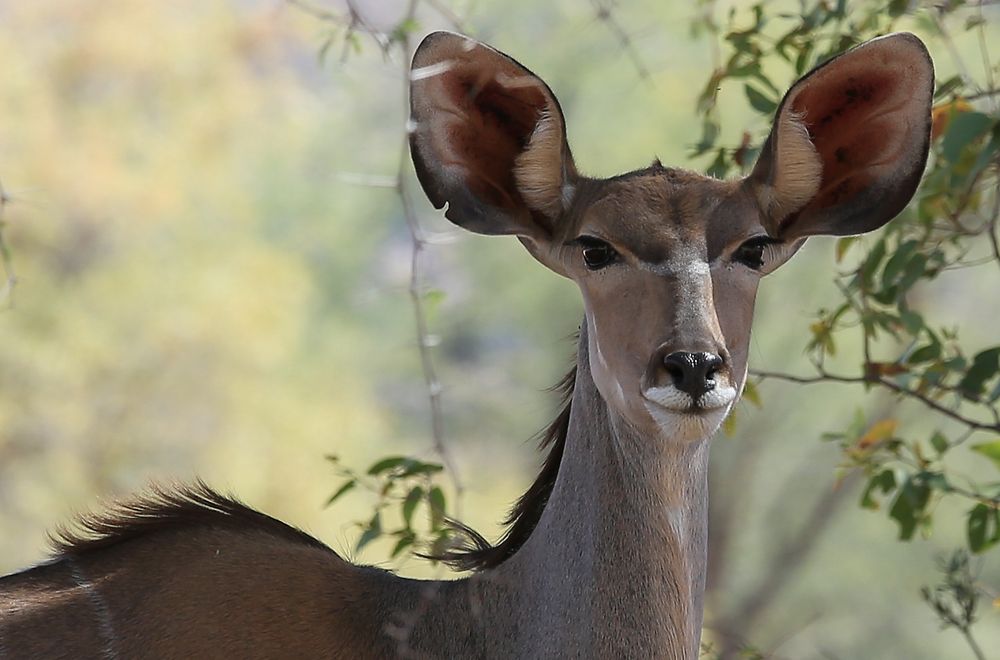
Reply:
x=849, y=142
x=488, y=138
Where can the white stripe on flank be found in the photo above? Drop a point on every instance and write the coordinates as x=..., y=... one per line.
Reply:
x=105, y=627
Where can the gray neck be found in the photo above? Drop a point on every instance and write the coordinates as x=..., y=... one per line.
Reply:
x=616, y=566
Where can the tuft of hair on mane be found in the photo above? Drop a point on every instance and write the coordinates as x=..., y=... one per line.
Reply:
x=474, y=552
x=164, y=508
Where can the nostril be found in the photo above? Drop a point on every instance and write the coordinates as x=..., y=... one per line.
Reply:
x=693, y=373
x=675, y=370
x=678, y=365
x=713, y=363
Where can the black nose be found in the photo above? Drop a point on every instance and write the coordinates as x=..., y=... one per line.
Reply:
x=693, y=373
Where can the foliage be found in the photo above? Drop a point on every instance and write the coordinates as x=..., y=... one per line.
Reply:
x=951, y=225
x=406, y=483
x=955, y=599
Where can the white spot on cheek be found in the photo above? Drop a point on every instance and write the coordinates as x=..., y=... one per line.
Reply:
x=606, y=375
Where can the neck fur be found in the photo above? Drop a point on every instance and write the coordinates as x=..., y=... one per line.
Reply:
x=616, y=565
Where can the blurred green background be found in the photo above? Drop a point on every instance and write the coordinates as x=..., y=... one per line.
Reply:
x=206, y=290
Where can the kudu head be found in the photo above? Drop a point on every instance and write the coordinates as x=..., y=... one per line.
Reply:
x=668, y=261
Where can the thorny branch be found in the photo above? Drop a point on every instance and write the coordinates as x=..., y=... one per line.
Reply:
x=399, y=43
x=417, y=295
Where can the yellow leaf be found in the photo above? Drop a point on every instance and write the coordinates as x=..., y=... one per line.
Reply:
x=941, y=115
x=876, y=433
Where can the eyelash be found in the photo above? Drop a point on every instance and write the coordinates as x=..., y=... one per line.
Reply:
x=597, y=254
x=751, y=252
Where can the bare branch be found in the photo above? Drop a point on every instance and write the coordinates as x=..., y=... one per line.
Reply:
x=784, y=563
x=605, y=14
x=927, y=401
x=416, y=290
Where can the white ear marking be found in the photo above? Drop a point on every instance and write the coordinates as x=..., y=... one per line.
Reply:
x=799, y=171
x=430, y=70
x=538, y=169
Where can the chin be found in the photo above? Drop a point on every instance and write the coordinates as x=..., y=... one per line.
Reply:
x=678, y=417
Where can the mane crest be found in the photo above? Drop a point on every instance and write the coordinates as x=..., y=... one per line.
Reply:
x=164, y=509
x=475, y=553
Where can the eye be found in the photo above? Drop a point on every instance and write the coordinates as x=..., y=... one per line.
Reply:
x=751, y=252
x=597, y=254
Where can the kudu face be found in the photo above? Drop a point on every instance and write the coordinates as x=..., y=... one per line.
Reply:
x=668, y=261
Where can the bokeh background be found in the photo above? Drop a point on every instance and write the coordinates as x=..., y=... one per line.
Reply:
x=213, y=282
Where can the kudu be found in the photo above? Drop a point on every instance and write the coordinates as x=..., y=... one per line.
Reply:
x=605, y=554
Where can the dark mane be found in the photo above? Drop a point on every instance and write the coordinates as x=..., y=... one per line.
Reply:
x=475, y=553
x=197, y=505
x=163, y=509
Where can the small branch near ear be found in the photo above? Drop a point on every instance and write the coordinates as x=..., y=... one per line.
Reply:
x=605, y=13
x=353, y=22
x=399, y=42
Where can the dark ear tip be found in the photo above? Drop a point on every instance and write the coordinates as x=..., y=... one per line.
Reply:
x=907, y=40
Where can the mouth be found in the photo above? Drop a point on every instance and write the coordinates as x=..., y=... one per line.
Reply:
x=672, y=400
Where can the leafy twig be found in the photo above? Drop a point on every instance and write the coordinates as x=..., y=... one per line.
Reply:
x=825, y=376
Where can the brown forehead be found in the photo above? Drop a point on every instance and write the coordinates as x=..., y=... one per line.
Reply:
x=650, y=212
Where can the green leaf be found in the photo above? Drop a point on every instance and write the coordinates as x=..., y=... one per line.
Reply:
x=884, y=481
x=974, y=21
x=759, y=101
x=936, y=481
x=373, y=530
x=410, y=503
x=990, y=450
x=940, y=443
x=871, y=264
x=898, y=7
x=912, y=321
x=436, y=500
x=983, y=527
x=843, y=245
x=916, y=268
x=751, y=393
x=894, y=266
x=925, y=353
x=406, y=539
x=413, y=467
x=995, y=394
x=948, y=86
x=908, y=507
x=386, y=464
x=962, y=131
x=347, y=486
x=729, y=423
x=985, y=365
x=720, y=165
x=709, y=134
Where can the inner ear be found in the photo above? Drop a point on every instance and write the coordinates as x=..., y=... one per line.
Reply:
x=849, y=143
x=488, y=138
